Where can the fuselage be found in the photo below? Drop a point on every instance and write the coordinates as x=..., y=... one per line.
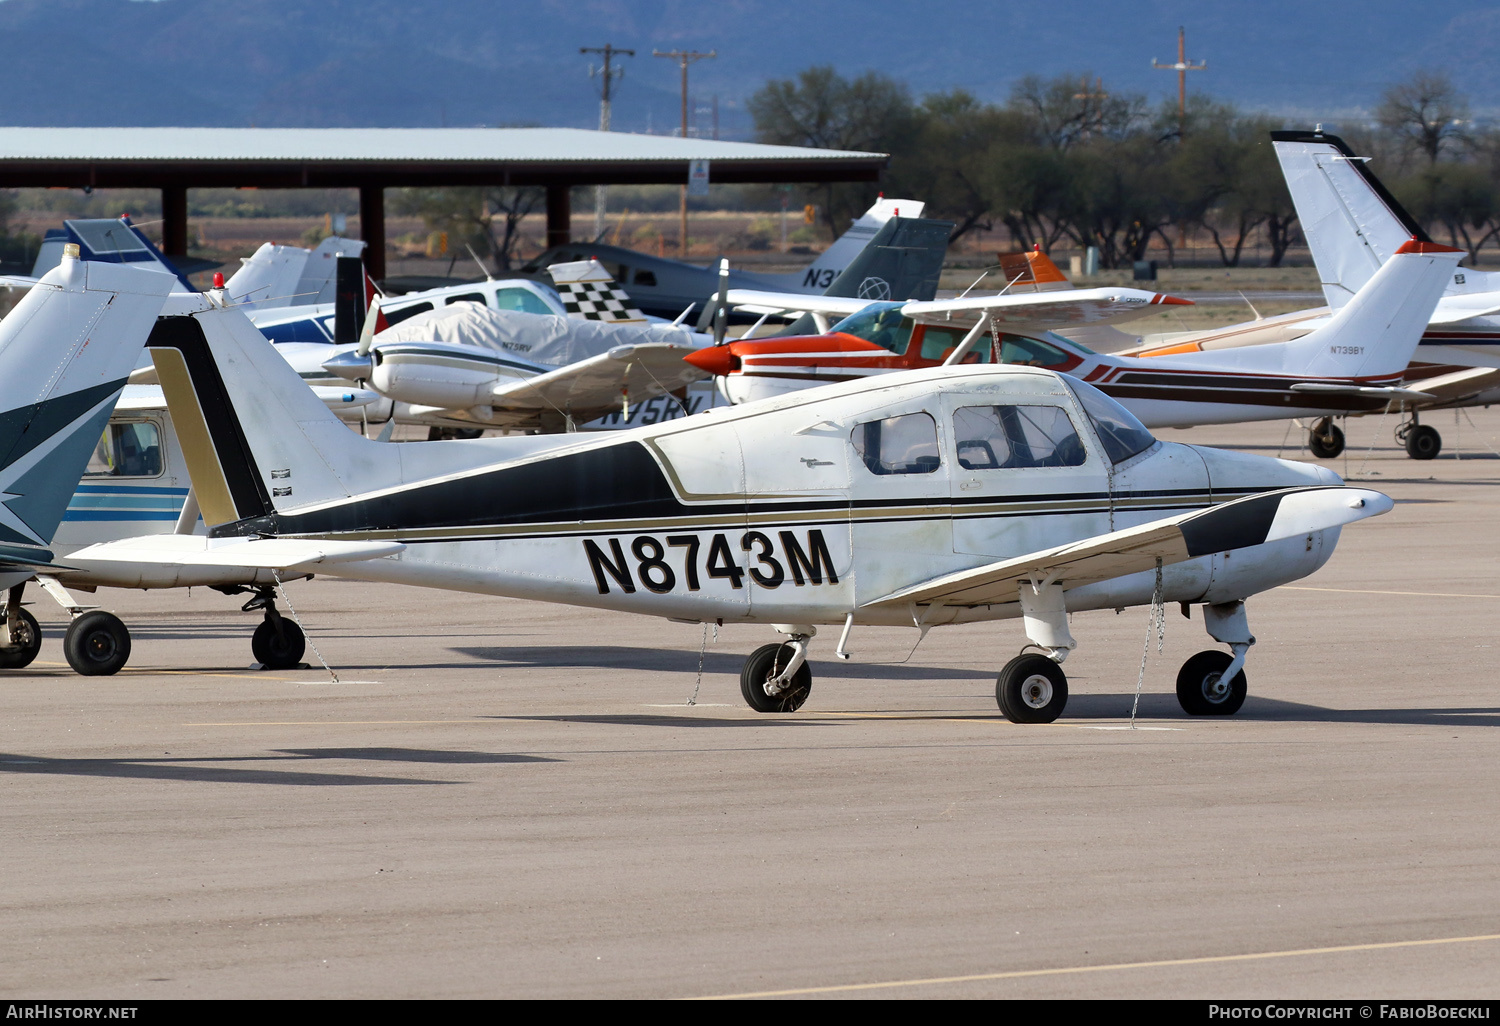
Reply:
x=808, y=507
x=1176, y=390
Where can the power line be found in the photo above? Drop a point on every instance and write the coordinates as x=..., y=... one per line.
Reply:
x=607, y=74
x=684, y=58
x=1182, y=67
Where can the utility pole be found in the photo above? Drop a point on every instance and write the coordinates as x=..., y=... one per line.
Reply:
x=684, y=58
x=608, y=75
x=1182, y=67
x=1093, y=112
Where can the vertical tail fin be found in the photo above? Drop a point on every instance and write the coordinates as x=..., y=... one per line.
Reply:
x=65, y=352
x=1377, y=331
x=833, y=261
x=1352, y=224
x=589, y=292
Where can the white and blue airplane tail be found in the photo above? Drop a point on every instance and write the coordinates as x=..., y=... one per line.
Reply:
x=65, y=352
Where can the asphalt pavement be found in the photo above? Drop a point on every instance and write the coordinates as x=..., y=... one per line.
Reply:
x=508, y=799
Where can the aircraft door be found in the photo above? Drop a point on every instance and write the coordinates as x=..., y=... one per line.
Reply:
x=796, y=549
x=1026, y=474
x=704, y=554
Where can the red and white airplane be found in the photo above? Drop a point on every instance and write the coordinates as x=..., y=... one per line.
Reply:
x=1352, y=362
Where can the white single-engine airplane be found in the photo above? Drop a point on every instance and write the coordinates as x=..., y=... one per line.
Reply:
x=942, y=496
x=1354, y=361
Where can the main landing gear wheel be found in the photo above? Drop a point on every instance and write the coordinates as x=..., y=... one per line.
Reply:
x=278, y=643
x=97, y=644
x=1325, y=440
x=1202, y=690
x=1423, y=442
x=28, y=643
x=763, y=665
x=1031, y=689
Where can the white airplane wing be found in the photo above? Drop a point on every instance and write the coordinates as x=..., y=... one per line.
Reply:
x=1452, y=309
x=593, y=387
x=1459, y=384
x=289, y=554
x=1253, y=520
x=791, y=303
x=1064, y=307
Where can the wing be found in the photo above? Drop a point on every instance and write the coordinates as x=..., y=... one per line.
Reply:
x=593, y=387
x=1460, y=384
x=290, y=554
x=791, y=303
x=1066, y=307
x=1452, y=309
x=1253, y=520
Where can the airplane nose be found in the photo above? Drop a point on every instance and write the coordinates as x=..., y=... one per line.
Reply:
x=350, y=365
x=719, y=361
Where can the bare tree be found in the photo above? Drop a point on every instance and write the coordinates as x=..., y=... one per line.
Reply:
x=1427, y=111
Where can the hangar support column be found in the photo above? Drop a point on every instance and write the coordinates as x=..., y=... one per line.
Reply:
x=372, y=228
x=174, y=232
x=559, y=215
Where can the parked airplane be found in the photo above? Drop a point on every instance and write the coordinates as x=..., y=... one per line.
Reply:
x=1353, y=225
x=941, y=496
x=110, y=240
x=65, y=351
x=276, y=276
x=1353, y=362
x=666, y=287
x=554, y=373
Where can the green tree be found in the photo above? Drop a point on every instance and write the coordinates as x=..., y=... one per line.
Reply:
x=822, y=109
x=1427, y=112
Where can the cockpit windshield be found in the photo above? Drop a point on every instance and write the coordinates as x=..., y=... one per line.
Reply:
x=1123, y=436
x=881, y=323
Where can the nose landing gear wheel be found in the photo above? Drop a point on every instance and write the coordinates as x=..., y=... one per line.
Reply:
x=28, y=643
x=1325, y=440
x=764, y=664
x=97, y=644
x=1423, y=442
x=1031, y=689
x=278, y=644
x=1201, y=689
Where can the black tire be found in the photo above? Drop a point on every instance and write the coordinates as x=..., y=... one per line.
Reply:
x=1423, y=442
x=97, y=644
x=1199, y=689
x=1031, y=689
x=764, y=663
x=278, y=644
x=30, y=643
x=1325, y=441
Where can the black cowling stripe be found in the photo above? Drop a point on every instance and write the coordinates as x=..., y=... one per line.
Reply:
x=1234, y=525
x=246, y=486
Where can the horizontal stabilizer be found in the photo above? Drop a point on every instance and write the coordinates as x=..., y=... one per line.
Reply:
x=287, y=554
x=1393, y=393
x=1253, y=520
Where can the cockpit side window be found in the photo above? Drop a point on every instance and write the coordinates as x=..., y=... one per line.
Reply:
x=1003, y=437
x=938, y=343
x=904, y=444
x=1033, y=352
x=881, y=323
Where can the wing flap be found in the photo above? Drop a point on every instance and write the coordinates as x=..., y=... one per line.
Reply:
x=1253, y=520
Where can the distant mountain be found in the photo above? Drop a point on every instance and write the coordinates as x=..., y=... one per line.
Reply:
x=477, y=62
